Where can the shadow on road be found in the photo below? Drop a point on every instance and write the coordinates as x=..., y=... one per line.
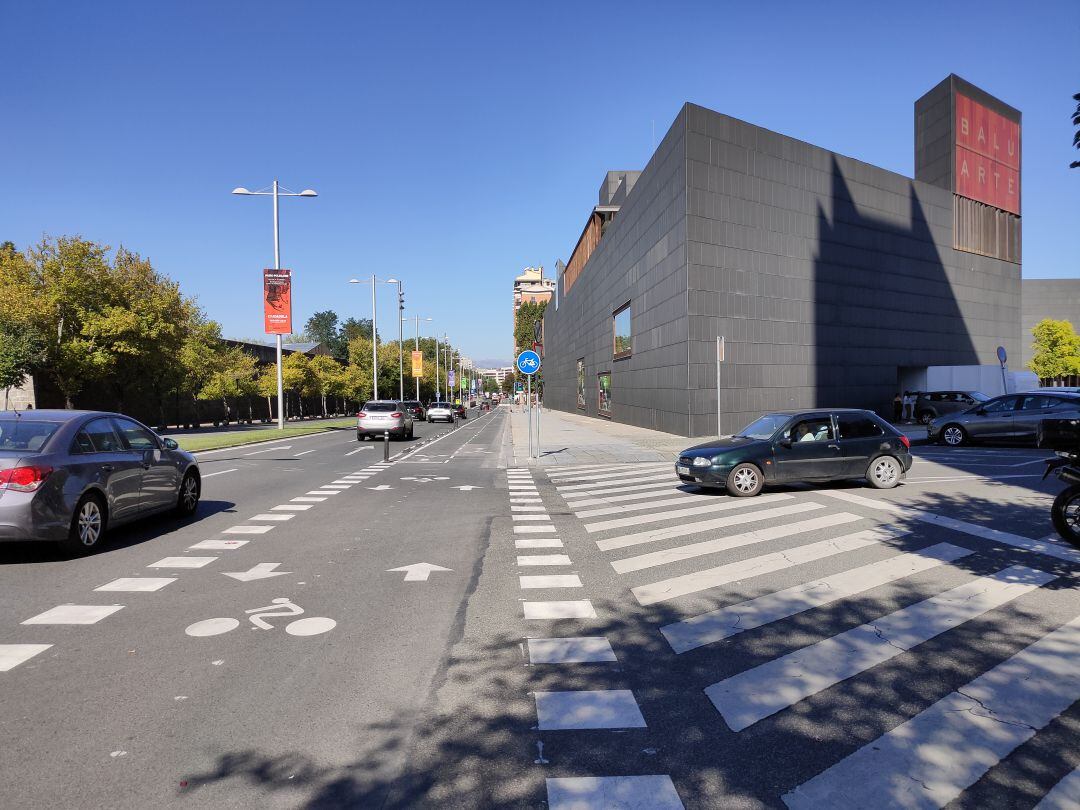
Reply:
x=478, y=745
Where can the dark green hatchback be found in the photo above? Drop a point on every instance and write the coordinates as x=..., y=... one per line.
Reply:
x=788, y=446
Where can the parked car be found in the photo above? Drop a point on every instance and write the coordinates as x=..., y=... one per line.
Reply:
x=441, y=412
x=384, y=416
x=788, y=446
x=415, y=408
x=1012, y=417
x=932, y=404
x=68, y=476
x=461, y=411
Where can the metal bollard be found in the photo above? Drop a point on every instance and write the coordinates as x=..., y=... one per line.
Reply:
x=386, y=445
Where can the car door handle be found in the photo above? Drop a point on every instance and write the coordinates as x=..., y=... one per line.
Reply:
x=834, y=447
x=107, y=468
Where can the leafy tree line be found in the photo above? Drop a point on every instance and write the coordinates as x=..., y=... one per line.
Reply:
x=97, y=328
x=1056, y=350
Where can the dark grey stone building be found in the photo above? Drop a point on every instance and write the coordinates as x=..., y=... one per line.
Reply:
x=1057, y=298
x=827, y=277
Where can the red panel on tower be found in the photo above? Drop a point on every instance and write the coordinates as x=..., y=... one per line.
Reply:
x=987, y=156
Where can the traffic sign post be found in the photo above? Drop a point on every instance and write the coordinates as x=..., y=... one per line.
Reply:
x=528, y=363
x=1003, y=358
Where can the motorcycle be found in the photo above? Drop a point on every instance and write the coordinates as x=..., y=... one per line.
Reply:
x=1063, y=437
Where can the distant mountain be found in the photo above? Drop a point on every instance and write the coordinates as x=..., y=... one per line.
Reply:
x=493, y=363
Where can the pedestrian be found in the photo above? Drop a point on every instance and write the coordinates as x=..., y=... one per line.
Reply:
x=909, y=405
x=897, y=407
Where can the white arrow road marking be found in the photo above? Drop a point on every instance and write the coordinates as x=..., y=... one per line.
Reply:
x=270, y=449
x=418, y=572
x=466, y=487
x=260, y=571
x=382, y=487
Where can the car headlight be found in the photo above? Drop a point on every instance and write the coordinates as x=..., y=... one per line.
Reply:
x=701, y=461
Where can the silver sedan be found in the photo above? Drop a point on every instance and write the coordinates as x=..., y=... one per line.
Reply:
x=67, y=476
x=1009, y=418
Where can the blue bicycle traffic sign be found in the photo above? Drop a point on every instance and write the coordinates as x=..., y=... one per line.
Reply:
x=528, y=362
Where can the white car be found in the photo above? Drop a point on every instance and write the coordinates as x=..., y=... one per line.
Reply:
x=441, y=412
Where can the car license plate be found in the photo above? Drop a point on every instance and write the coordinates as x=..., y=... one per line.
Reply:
x=681, y=470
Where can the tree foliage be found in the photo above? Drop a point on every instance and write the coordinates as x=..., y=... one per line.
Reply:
x=1076, y=125
x=1057, y=349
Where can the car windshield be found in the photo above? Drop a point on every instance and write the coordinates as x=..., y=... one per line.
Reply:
x=412, y=404
x=765, y=426
x=21, y=434
x=381, y=407
x=440, y=405
x=978, y=396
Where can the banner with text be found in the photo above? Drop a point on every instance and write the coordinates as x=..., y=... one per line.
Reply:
x=418, y=364
x=277, y=302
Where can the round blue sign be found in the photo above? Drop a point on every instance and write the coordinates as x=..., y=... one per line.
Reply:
x=1002, y=357
x=528, y=362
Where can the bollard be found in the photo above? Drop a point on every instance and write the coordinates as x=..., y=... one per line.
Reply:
x=386, y=445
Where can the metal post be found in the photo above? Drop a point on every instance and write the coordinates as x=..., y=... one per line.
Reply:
x=386, y=445
x=277, y=266
x=417, y=349
x=528, y=401
x=400, y=348
x=719, y=359
x=374, y=343
x=539, y=408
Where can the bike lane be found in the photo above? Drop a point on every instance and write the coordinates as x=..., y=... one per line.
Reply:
x=279, y=667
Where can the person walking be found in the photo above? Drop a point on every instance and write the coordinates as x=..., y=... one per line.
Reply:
x=897, y=408
x=909, y=405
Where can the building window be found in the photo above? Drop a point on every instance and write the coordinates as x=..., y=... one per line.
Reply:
x=603, y=386
x=581, y=383
x=623, y=340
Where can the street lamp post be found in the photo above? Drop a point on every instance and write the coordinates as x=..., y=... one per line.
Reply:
x=416, y=344
x=275, y=193
x=375, y=328
x=400, y=346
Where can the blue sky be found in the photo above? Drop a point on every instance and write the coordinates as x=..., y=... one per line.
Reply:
x=453, y=144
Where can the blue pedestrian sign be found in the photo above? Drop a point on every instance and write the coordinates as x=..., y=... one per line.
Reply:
x=528, y=362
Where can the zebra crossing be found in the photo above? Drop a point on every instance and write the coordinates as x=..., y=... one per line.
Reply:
x=714, y=569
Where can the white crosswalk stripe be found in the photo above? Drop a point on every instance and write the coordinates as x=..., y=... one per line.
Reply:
x=836, y=545
x=673, y=514
x=932, y=758
x=748, y=697
x=716, y=625
x=710, y=578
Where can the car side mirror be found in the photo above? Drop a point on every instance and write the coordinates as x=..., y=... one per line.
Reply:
x=170, y=444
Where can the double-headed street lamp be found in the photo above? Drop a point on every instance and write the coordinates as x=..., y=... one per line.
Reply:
x=417, y=319
x=375, y=333
x=275, y=191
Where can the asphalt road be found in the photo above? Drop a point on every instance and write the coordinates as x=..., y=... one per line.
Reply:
x=604, y=638
x=132, y=711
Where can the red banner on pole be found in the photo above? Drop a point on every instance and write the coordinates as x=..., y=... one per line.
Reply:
x=277, y=302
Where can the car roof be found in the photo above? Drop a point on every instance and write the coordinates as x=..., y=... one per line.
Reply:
x=818, y=410
x=53, y=415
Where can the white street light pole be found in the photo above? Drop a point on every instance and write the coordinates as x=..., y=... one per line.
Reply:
x=400, y=346
x=275, y=193
x=375, y=335
x=416, y=344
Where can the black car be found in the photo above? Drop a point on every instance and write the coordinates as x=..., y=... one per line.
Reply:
x=932, y=404
x=812, y=445
x=461, y=411
x=416, y=408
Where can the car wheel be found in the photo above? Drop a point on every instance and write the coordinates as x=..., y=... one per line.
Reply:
x=745, y=481
x=926, y=417
x=412, y=429
x=954, y=435
x=359, y=436
x=187, y=500
x=884, y=472
x=1065, y=514
x=87, y=525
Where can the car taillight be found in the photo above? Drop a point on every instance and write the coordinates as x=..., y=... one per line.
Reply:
x=904, y=440
x=361, y=415
x=24, y=479
x=396, y=415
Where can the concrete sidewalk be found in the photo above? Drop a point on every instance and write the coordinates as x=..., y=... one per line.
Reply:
x=569, y=438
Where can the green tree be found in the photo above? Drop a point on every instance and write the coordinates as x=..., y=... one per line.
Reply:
x=20, y=351
x=322, y=327
x=527, y=316
x=1076, y=135
x=325, y=371
x=508, y=384
x=234, y=377
x=298, y=377
x=266, y=386
x=1056, y=349
x=198, y=358
x=354, y=328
